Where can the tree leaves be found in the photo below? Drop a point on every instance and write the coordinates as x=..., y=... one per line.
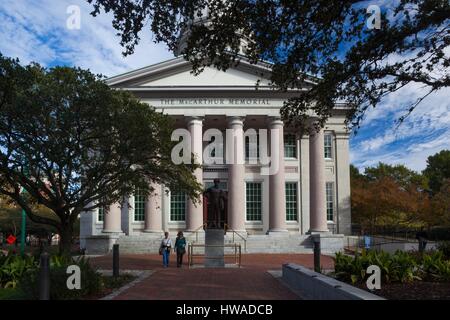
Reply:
x=327, y=39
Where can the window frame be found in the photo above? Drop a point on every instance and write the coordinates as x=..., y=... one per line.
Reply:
x=325, y=137
x=329, y=192
x=261, y=213
x=102, y=220
x=141, y=202
x=295, y=183
x=294, y=146
x=171, y=206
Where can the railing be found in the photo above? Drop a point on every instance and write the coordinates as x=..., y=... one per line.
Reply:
x=236, y=255
x=196, y=231
x=357, y=243
x=225, y=229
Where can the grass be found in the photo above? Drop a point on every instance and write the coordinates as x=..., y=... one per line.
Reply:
x=111, y=282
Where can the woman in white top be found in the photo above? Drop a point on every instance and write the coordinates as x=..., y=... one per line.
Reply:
x=164, y=249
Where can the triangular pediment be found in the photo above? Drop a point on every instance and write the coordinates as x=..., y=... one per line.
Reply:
x=177, y=73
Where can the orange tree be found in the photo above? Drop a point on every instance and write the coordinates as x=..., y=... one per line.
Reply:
x=387, y=195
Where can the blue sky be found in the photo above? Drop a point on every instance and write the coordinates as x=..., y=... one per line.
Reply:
x=36, y=31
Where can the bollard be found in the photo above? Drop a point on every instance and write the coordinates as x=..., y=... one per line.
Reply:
x=316, y=254
x=44, y=277
x=115, y=260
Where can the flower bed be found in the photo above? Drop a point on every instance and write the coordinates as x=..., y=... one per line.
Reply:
x=404, y=275
x=19, y=278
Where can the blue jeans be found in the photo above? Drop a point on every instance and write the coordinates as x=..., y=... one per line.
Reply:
x=166, y=254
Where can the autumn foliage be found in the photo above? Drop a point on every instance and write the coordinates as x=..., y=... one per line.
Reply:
x=396, y=196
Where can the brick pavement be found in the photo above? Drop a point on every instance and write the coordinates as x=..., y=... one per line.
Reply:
x=251, y=281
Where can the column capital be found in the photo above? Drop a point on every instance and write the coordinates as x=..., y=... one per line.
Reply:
x=194, y=120
x=275, y=121
x=235, y=120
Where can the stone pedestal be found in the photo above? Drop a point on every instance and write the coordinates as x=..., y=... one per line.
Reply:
x=214, y=249
x=329, y=243
x=101, y=244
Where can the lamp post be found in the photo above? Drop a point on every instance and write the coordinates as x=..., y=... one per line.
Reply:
x=23, y=225
x=22, y=233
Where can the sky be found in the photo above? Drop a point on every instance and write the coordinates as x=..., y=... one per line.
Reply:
x=38, y=31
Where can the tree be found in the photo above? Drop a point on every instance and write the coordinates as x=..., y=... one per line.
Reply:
x=74, y=144
x=438, y=169
x=305, y=40
x=389, y=195
x=406, y=178
x=380, y=202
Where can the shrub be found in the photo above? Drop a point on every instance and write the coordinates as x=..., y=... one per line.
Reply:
x=13, y=267
x=444, y=247
x=398, y=267
x=435, y=267
x=91, y=281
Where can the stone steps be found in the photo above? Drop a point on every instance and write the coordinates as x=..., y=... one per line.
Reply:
x=286, y=243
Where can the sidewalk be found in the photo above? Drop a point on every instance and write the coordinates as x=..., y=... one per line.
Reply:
x=251, y=281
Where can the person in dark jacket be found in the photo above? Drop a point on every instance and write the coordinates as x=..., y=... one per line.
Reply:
x=180, y=248
x=422, y=236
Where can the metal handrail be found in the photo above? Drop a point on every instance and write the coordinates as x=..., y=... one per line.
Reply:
x=196, y=232
x=225, y=229
x=237, y=252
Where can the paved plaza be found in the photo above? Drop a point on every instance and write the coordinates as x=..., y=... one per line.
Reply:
x=250, y=282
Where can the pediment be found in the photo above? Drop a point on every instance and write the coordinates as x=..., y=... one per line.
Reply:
x=177, y=73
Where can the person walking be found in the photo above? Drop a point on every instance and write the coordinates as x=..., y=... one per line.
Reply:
x=180, y=248
x=164, y=249
x=422, y=236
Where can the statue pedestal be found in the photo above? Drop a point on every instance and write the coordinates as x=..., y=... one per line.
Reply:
x=214, y=249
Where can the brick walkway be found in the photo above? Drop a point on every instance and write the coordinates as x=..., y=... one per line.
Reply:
x=251, y=281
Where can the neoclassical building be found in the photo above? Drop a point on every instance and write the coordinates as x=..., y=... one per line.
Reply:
x=309, y=194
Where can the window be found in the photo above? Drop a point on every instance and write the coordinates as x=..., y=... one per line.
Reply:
x=101, y=214
x=330, y=202
x=291, y=201
x=250, y=152
x=253, y=201
x=139, y=206
x=328, y=146
x=177, y=206
x=290, y=146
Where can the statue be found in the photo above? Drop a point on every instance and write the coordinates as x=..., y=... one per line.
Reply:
x=216, y=200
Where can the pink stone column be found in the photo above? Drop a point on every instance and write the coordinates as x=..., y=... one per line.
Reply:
x=277, y=192
x=153, y=217
x=236, y=174
x=194, y=218
x=318, y=212
x=112, y=219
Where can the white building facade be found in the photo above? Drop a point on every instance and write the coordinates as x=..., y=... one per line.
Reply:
x=309, y=194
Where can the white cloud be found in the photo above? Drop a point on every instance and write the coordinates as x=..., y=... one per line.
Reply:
x=425, y=132
x=37, y=31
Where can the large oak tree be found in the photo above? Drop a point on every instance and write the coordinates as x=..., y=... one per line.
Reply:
x=327, y=42
x=73, y=144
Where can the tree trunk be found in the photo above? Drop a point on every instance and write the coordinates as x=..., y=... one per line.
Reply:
x=65, y=241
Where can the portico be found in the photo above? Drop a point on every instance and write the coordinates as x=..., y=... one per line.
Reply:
x=308, y=193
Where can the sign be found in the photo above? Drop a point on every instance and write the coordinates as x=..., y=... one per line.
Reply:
x=11, y=239
x=216, y=102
